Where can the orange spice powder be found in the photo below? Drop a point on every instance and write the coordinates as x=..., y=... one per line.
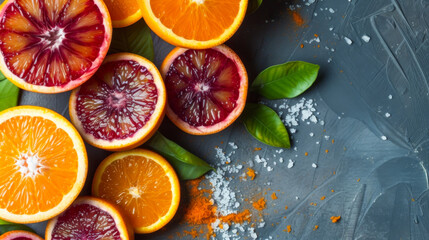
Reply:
x=251, y=173
x=297, y=18
x=273, y=196
x=289, y=228
x=260, y=204
x=201, y=211
x=335, y=219
x=316, y=227
x=322, y=198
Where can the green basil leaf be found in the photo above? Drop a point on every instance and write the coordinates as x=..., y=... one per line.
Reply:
x=8, y=226
x=8, y=93
x=187, y=165
x=286, y=80
x=253, y=5
x=133, y=39
x=265, y=125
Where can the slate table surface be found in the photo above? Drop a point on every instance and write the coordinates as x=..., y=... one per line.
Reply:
x=381, y=186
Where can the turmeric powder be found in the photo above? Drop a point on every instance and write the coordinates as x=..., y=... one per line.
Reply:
x=335, y=219
x=260, y=204
x=273, y=196
x=251, y=173
x=297, y=18
x=200, y=210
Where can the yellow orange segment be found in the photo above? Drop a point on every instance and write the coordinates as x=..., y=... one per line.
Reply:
x=123, y=13
x=43, y=164
x=194, y=24
x=143, y=183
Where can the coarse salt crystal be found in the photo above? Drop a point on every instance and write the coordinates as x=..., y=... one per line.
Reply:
x=331, y=10
x=314, y=165
x=311, y=134
x=348, y=40
x=384, y=138
x=390, y=96
x=387, y=114
x=366, y=38
x=290, y=164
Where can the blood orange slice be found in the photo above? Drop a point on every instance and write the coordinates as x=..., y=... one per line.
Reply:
x=51, y=46
x=20, y=235
x=206, y=89
x=89, y=218
x=122, y=105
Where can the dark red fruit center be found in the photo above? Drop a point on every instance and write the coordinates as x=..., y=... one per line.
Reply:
x=51, y=43
x=117, y=101
x=202, y=87
x=22, y=238
x=85, y=222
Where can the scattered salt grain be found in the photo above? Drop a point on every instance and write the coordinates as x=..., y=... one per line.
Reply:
x=269, y=169
x=311, y=134
x=366, y=38
x=290, y=164
x=384, y=138
x=387, y=114
x=390, y=96
x=292, y=130
x=331, y=28
x=314, y=165
x=331, y=10
x=233, y=145
x=348, y=40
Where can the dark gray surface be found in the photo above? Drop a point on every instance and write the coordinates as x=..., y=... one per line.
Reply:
x=352, y=96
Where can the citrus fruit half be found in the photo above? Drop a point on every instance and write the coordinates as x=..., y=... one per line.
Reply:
x=43, y=164
x=122, y=105
x=89, y=218
x=123, y=13
x=51, y=46
x=143, y=183
x=20, y=235
x=194, y=24
x=206, y=89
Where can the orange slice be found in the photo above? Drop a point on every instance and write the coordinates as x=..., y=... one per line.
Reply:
x=194, y=24
x=90, y=218
x=43, y=164
x=123, y=13
x=143, y=183
x=206, y=88
x=122, y=105
x=51, y=46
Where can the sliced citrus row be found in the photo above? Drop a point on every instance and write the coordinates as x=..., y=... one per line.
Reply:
x=206, y=89
x=51, y=46
x=122, y=105
x=20, y=235
x=89, y=218
x=143, y=183
x=123, y=13
x=196, y=24
x=43, y=164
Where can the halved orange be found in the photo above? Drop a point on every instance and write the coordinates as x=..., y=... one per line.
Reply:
x=90, y=218
x=123, y=13
x=43, y=164
x=51, y=46
x=122, y=105
x=194, y=24
x=143, y=183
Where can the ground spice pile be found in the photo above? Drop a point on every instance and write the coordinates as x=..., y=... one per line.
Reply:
x=201, y=212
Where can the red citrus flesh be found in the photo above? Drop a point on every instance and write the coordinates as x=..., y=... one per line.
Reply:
x=122, y=99
x=53, y=45
x=20, y=235
x=84, y=221
x=206, y=89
